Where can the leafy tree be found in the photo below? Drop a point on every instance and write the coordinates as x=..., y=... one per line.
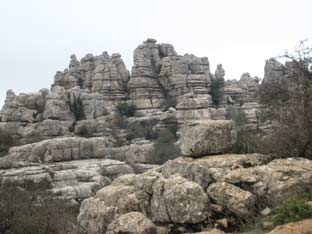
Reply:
x=126, y=109
x=6, y=141
x=292, y=211
x=164, y=148
x=217, y=91
x=290, y=114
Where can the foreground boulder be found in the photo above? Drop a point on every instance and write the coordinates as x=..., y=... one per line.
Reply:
x=197, y=193
x=174, y=200
x=131, y=223
x=180, y=201
x=207, y=137
x=236, y=200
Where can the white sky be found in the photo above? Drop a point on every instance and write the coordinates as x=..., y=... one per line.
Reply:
x=38, y=36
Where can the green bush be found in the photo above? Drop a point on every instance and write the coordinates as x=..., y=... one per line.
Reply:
x=28, y=208
x=216, y=91
x=292, y=211
x=126, y=109
x=164, y=148
x=6, y=141
x=77, y=108
x=83, y=131
x=143, y=129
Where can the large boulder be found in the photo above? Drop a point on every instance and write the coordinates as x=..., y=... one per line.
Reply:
x=178, y=200
x=207, y=137
x=236, y=200
x=131, y=223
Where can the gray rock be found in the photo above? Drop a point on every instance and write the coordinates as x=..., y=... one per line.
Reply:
x=131, y=223
x=207, y=137
x=236, y=200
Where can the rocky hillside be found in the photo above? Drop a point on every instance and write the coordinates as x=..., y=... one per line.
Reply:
x=147, y=151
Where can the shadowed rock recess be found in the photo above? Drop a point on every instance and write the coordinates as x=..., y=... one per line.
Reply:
x=165, y=168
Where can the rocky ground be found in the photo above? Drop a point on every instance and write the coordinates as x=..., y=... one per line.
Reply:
x=110, y=165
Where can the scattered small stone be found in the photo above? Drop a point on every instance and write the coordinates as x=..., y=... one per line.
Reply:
x=222, y=223
x=266, y=212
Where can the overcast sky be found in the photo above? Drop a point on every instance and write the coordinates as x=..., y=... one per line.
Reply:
x=38, y=36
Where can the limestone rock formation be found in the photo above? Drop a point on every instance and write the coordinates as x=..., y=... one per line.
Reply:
x=273, y=71
x=207, y=137
x=25, y=108
x=78, y=179
x=57, y=150
x=241, y=91
x=75, y=137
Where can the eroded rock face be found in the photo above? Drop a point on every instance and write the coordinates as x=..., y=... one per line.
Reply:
x=207, y=137
x=241, y=91
x=57, y=105
x=57, y=150
x=73, y=179
x=25, y=108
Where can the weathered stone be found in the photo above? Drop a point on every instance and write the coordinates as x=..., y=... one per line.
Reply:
x=178, y=200
x=57, y=150
x=205, y=170
x=279, y=180
x=71, y=180
x=131, y=223
x=266, y=212
x=23, y=107
x=236, y=200
x=57, y=105
x=207, y=137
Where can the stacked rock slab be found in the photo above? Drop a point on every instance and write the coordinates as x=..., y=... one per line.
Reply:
x=104, y=74
x=160, y=79
x=241, y=97
x=145, y=90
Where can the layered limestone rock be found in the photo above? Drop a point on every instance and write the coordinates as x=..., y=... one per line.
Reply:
x=26, y=108
x=241, y=91
x=57, y=150
x=160, y=79
x=58, y=106
x=73, y=179
x=144, y=87
x=241, y=100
